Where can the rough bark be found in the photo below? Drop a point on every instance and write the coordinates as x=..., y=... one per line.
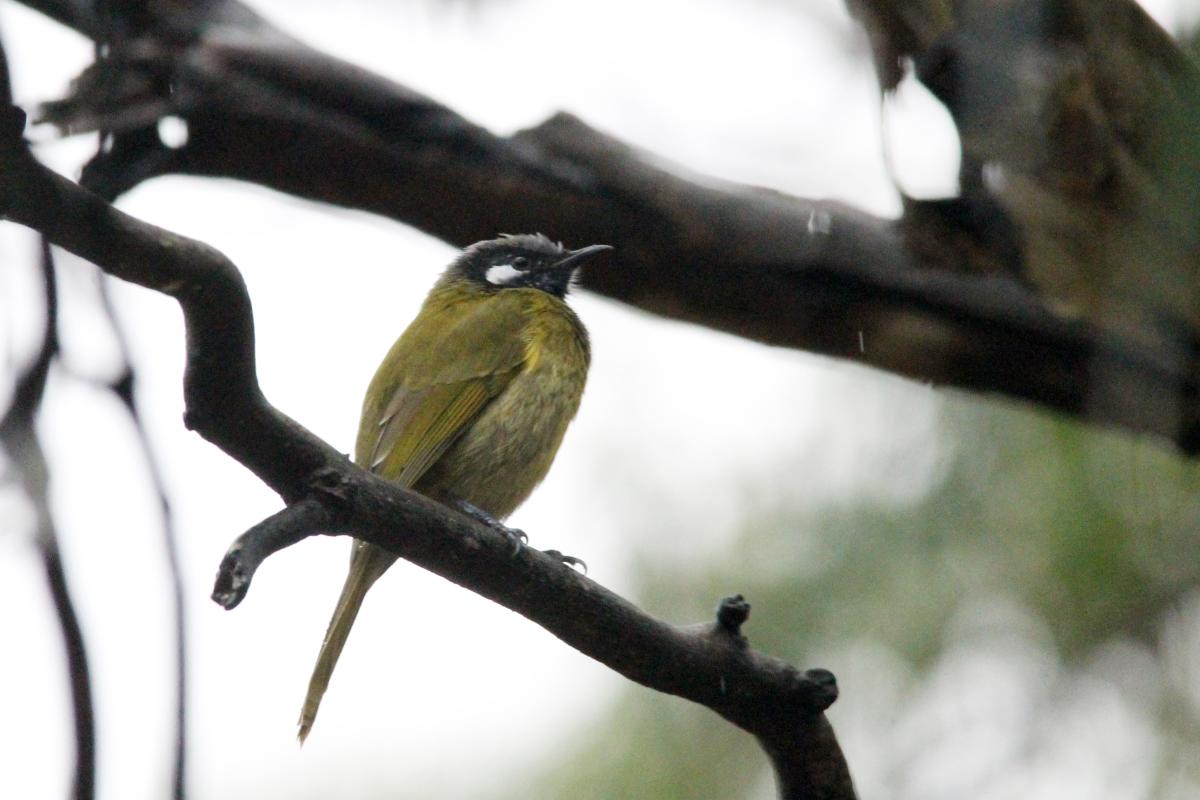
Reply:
x=1062, y=275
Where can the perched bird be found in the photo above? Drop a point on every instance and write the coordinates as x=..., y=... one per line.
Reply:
x=471, y=403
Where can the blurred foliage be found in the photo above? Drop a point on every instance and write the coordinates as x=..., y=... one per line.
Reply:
x=1092, y=536
x=1190, y=40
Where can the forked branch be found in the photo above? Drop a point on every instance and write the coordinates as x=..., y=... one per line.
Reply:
x=325, y=493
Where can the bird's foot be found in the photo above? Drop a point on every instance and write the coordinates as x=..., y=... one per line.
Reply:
x=517, y=536
x=570, y=561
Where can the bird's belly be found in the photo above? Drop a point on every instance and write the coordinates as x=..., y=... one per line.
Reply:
x=504, y=455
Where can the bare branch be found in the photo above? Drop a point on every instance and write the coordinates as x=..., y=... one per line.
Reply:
x=24, y=451
x=709, y=664
x=942, y=295
x=293, y=524
x=19, y=439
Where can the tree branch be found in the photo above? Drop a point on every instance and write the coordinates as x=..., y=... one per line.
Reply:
x=20, y=441
x=709, y=664
x=293, y=524
x=942, y=295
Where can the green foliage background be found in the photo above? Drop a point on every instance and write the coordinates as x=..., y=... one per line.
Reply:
x=1048, y=551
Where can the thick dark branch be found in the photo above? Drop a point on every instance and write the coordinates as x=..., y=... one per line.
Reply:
x=931, y=296
x=220, y=382
x=709, y=664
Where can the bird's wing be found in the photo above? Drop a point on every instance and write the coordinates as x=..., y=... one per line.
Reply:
x=434, y=398
x=421, y=424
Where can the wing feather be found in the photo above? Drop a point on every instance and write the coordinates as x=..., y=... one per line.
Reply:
x=435, y=383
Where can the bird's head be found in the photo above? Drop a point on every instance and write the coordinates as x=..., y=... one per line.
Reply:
x=521, y=261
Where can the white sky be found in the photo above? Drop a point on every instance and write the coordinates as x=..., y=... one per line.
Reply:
x=761, y=94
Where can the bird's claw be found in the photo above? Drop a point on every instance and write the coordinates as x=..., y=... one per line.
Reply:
x=570, y=561
x=517, y=536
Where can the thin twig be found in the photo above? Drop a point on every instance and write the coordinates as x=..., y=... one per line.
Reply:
x=25, y=453
x=111, y=31
x=287, y=527
x=124, y=387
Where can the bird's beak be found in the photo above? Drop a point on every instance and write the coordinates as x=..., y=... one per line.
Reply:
x=556, y=278
x=574, y=257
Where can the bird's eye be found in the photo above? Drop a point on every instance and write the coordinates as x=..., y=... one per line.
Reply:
x=520, y=262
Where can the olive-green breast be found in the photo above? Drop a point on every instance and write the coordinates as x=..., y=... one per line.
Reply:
x=507, y=451
x=474, y=398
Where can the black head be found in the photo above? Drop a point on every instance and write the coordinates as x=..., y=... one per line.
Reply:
x=521, y=261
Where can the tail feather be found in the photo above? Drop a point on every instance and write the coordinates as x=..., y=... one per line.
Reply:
x=366, y=565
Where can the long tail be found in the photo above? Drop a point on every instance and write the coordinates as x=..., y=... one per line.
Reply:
x=367, y=563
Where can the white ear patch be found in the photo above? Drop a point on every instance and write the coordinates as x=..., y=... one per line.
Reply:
x=502, y=274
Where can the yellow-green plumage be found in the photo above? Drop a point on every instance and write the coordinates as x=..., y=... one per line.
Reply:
x=470, y=404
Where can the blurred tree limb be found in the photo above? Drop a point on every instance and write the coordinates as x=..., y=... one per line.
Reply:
x=1080, y=121
x=27, y=460
x=326, y=494
x=26, y=466
x=1064, y=274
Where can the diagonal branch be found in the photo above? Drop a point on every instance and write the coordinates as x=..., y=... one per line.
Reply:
x=936, y=296
x=325, y=493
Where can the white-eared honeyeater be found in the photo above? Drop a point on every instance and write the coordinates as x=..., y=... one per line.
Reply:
x=471, y=403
